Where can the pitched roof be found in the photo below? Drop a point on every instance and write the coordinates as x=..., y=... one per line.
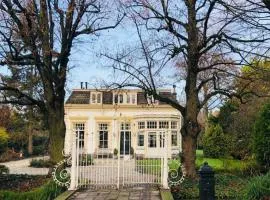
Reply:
x=79, y=97
x=83, y=97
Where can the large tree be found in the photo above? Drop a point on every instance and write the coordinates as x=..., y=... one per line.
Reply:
x=189, y=30
x=40, y=34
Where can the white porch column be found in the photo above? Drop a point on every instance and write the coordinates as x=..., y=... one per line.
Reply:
x=165, y=164
x=68, y=137
x=73, y=175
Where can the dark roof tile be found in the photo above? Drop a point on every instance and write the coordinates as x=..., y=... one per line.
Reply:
x=79, y=97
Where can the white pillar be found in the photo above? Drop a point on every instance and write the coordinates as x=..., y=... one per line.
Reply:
x=73, y=178
x=165, y=164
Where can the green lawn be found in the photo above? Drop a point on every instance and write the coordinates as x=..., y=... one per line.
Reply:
x=224, y=164
x=233, y=178
x=153, y=166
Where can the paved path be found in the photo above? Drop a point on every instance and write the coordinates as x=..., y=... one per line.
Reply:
x=22, y=167
x=136, y=193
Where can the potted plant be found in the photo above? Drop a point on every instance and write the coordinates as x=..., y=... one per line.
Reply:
x=115, y=153
x=132, y=152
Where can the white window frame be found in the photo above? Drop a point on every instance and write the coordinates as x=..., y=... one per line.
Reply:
x=164, y=124
x=127, y=98
x=101, y=128
x=138, y=139
x=161, y=137
x=78, y=128
x=151, y=124
x=175, y=133
x=149, y=139
x=141, y=125
x=125, y=126
x=151, y=100
x=175, y=126
x=96, y=94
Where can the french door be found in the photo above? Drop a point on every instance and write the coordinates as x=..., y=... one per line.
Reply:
x=125, y=142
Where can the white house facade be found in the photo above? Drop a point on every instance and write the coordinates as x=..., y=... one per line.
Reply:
x=124, y=121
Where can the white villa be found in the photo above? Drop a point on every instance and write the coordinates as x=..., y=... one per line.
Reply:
x=124, y=119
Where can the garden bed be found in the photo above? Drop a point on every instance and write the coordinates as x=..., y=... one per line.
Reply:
x=21, y=183
x=48, y=191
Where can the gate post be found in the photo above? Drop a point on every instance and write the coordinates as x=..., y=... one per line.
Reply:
x=73, y=178
x=207, y=182
x=165, y=164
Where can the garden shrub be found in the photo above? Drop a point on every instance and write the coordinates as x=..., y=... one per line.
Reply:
x=18, y=141
x=48, y=191
x=261, y=137
x=21, y=182
x=40, y=163
x=3, y=140
x=4, y=169
x=86, y=159
x=9, y=155
x=40, y=140
x=215, y=143
x=39, y=150
x=227, y=187
x=257, y=188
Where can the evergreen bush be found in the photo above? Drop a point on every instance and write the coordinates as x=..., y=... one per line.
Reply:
x=261, y=137
x=3, y=140
x=215, y=143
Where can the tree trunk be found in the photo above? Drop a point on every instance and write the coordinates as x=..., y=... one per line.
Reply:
x=189, y=155
x=57, y=131
x=30, y=139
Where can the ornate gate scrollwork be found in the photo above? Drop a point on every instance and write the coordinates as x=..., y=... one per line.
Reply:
x=61, y=171
x=176, y=175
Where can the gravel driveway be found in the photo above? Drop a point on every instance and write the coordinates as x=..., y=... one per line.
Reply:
x=22, y=166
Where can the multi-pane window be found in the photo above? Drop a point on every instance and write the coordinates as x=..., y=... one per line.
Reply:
x=164, y=124
x=141, y=125
x=103, y=135
x=140, y=139
x=79, y=130
x=151, y=124
x=125, y=98
x=161, y=139
x=96, y=97
x=152, y=140
x=174, y=138
x=174, y=125
x=125, y=126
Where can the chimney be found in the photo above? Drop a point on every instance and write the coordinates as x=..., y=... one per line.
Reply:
x=86, y=85
x=82, y=85
x=174, y=89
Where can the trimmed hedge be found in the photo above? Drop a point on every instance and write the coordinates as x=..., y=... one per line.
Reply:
x=46, y=192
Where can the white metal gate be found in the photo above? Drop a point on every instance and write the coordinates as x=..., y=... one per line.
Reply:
x=102, y=169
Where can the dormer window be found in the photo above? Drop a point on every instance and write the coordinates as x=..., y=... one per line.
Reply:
x=125, y=98
x=121, y=98
x=95, y=97
x=133, y=96
x=128, y=98
x=151, y=100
